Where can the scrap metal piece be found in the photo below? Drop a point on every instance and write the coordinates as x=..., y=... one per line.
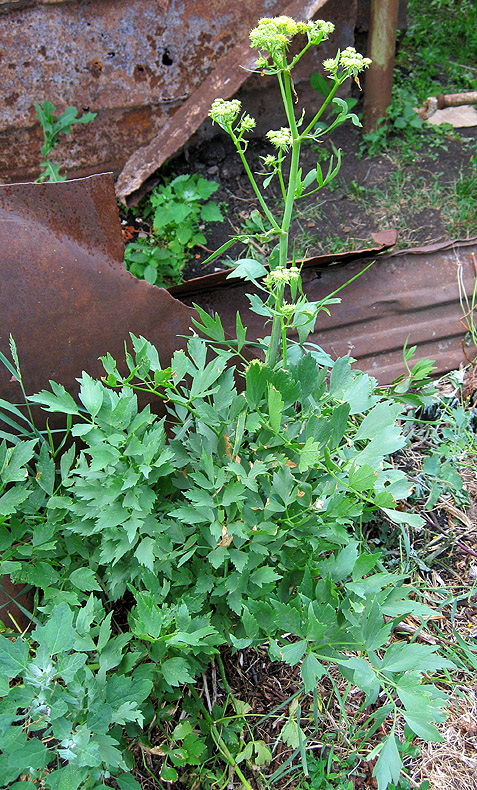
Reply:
x=410, y=296
x=230, y=73
x=444, y=100
x=65, y=296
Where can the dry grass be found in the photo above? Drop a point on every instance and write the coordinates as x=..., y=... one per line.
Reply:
x=452, y=764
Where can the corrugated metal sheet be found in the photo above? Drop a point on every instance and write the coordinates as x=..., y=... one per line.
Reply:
x=134, y=62
x=66, y=297
x=408, y=297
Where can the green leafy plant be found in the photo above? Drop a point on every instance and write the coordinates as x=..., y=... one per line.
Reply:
x=232, y=522
x=52, y=126
x=61, y=721
x=178, y=212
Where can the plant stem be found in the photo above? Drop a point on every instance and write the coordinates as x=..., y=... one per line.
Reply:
x=218, y=740
x=254, y=184
x=276, y=332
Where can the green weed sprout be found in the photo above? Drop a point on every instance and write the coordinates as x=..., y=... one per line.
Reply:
x=272, y=38
x=52, y=126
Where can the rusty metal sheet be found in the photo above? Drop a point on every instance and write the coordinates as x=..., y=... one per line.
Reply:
x=65, y=295
x=229, y=74
x=408, y=296
x=134, y=62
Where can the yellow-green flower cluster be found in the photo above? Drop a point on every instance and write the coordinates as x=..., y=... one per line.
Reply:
x=274, y=35
x=281, y=276
x=224, y=112
x=319, y=30
x=349, y=60
x=282, y=138
x=247, y=123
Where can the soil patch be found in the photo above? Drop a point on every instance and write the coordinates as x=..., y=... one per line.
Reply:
x=415, y=194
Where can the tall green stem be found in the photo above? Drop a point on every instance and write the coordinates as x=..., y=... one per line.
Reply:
x=254, y=184
x=276, y=332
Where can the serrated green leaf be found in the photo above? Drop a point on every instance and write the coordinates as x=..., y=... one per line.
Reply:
x=311, y=671
x=14, y=471
x=10, y=501
x=91, y=394
x=45, y=470
x=247, y=269
x=422, y=727
x=84, y=579
x=265, y=575
x=127, y=782
x=176, y=671
x=363, y=478
x=145, y=553
x=57, y=401
x=211, y=213
x=13, y=656
x=57, y=635
x=293, y=652
x=389, y=763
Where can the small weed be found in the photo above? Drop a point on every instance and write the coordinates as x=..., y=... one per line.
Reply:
x=178, y=212
x=52, y=126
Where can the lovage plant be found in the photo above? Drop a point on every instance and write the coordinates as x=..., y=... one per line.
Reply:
x=231, y=523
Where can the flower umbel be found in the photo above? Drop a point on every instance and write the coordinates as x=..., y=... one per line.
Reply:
x=350, y=61
x=281, y=276
x=273, y=36
x=224, y=112
x=281, y=139
x=353, y=62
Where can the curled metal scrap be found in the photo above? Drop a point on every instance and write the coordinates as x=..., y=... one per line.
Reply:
x=410, y=296
x=65, y=295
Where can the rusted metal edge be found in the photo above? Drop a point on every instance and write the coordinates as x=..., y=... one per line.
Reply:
x=229, y=74
x=385, y=239
x=430, y=248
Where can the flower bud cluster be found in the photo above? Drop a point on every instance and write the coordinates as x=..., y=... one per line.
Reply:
x=281, y=276
x=224, y=112
x=247, y=123
x=288, y=310
x=269, y=161
x=282, y=138
x=349, y=60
